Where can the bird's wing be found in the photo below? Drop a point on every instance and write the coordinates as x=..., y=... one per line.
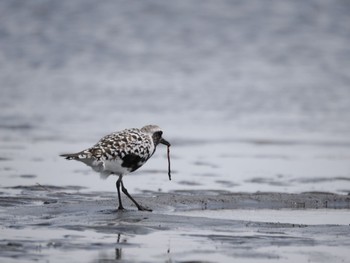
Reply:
x=123, y=143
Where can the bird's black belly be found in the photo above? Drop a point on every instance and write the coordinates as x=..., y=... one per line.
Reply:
x=132, y=162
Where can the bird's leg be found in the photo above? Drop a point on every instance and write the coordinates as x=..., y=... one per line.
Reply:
x=139, y=207
x=119, y=181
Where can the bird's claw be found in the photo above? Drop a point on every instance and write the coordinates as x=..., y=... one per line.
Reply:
x=142, y=208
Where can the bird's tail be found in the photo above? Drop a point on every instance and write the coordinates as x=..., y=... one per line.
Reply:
x=71, y=156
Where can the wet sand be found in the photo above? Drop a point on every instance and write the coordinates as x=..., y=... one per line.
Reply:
x=54, y=224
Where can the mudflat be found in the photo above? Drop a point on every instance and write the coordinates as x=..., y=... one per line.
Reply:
x=46, y=223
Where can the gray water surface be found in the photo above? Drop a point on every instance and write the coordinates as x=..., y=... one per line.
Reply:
x=253, y=96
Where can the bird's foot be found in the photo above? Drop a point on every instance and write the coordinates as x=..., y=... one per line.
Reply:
x=142, y=208
x=121, y=208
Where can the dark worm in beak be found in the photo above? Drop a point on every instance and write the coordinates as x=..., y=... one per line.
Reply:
x=165, y=142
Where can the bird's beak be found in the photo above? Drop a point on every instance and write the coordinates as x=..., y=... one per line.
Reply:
x=165, y=142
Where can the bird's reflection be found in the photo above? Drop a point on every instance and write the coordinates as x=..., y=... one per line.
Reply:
x=118, y=249
x=121, y=243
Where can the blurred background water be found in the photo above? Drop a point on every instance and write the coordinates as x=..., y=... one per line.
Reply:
x=253, y=95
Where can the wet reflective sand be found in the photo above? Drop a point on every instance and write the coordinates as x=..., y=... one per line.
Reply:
x=195, y=226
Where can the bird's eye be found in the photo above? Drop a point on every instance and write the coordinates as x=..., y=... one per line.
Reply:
x=158, y=134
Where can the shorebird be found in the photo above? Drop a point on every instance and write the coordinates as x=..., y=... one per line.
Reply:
x=122, y=152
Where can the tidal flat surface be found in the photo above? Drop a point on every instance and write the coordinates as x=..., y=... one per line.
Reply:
x=253, y=95
x=57, y=226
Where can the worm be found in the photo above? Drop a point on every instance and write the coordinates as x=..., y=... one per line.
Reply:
x=168, y=153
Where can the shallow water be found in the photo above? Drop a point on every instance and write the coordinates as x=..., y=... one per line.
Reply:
x=241, y=166
x=247, y=107
x=306, y=217
x=254, y=96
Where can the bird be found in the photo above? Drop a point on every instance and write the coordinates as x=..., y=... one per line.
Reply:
x=121, y=153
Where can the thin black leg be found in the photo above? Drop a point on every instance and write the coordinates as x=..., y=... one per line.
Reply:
x=139, y=207
x=119, y=181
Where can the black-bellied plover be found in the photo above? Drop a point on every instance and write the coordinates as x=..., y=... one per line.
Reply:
x=122, y=152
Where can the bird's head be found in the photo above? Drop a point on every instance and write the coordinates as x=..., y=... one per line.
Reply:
x=156, y=133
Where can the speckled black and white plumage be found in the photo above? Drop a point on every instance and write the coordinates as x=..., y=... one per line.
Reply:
x=122, y=152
